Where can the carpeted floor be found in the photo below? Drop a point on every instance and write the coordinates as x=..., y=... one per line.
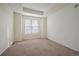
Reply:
x=38, y=47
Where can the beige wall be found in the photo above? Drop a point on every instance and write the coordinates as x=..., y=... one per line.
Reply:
x=44, y=27
x=6, y=27
x=17, y=27
x=16, y=7
x=63, y=27
x=6, y=24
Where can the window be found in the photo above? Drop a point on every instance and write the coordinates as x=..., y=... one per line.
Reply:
x=35, y=26
x=28, y=26
x=31, y=26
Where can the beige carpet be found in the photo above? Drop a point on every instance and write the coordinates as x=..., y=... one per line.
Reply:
x=38, y=47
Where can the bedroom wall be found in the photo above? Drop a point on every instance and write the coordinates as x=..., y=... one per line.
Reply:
x=44, y=27
x=17, y=26
x=63, y=27
x=6, y=27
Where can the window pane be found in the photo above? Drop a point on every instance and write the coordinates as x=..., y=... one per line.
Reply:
x=34, y=27
x=34, y=22
x=28, y=27
x=27, y=22
x=27, y=31
x=31, y=26
x=34, y=30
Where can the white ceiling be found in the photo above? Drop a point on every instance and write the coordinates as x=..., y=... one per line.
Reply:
x=45, y=6
x=37, y=6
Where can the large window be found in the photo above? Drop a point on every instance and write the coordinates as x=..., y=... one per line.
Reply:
x=31, y=26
